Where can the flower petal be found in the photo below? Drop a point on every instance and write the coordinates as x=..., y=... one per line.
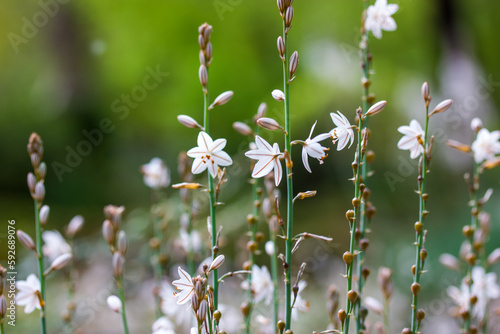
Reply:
x=278, y=172
x=198, y=166
x=305, y=160
x=221, y=158
x=204, y=141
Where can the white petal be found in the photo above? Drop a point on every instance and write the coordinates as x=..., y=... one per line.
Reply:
x=263, y=167
x=321, y=137
x=183, y=296
x=218, y=145
x=278, y=172
x=198, y=166
x=406, y=142
x=392, y=8
x=222, y=158
x=312, y=129
x=212, y=168
x=315, y=150
x=305, y=160
x=204, y=141
x=262, y=144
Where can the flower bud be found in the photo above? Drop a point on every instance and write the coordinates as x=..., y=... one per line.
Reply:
x=278, y=95
x=376, y=108
x=114, y=303
x=449, y=261
x=108, y=232
x=425, y=91
x=374, y=305
x=203, y=75
x=222, y=99
x=494, y=256
x=476, y=124
x=61, y=261
x=217, y=262
x=281, y=47
x=441, y=107
x=342, y=315
x=74, y=226
x=188, y=121
x=31, y=182
x=294, y=62
x=415, y=288
x=201, y=314
x=242, y=128
x=3, y=307
x=44, y=214
x=352, y=296
x=117, y=263
x=269, y=124
x=208, y=52
x=281, y=5
x=289, y=16
x=270, y=248
x=39, y=191
x=42, y=170
x=122, y=243
x=25, y=240
x=348, y=257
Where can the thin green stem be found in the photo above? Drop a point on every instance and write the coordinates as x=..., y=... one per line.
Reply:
x=39, y=244
x=419, y=233
x=122, y=298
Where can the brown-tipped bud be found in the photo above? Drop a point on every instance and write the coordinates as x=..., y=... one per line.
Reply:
x=122, y=243
x=364, y=243
x=39, y=191
x=3, y=307
x=42, y=170
x=201, y=314
x=425, y=91
x=289, y=17
x=217, y=315
x=281, y=323
x=252, y=246
x=350, y=215
x=420, y=315
x=376, y=108
x=281, y=46
x=61, y=261
x=217, y=262
x=74, y=226
x=261, y=111
x=406, y=331
x=203, y=75
x=44, y=215
x=242, y=128
x=25, y=240
x=222, y=99
x=468, y=231
x=441, y=107
x=356, y=202
x=31, y=182
x=247, y=265
x=419, y=227
x=251, y=219
x=473, y=299
x=269, y=124
x=294, y=62
x=108, y=232
x=352, y=296
x=278, y=95
x=423, y=254
x=494, y=256
x=365, y=272
x=348, y=257
x=245, y=309
x=370, y=157
x=188, y=121
x=117, y=263
x=415, y=288
x=342, y=315
x=476, y=124
x=259, y=237
x=471, y=259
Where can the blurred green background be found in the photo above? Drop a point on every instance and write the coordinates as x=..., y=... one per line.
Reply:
x=67, y=65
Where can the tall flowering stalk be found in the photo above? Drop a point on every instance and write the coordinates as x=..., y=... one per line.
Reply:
x=417, y=141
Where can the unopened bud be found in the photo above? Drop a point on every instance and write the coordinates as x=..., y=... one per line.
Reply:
x=222, y=99
x=281, y=47
x=281, y=5
x=342, y=315
x=108, y=232
x=201, y=314
x=242, y=128
x=203, y=75
x=217, y=262
x=74, y=226
x=31, y=182
x=406, y=331
x=294, y=62
x=494, y=256
x=349, y=215
x=449, y=261
x=278, y=95
x=441, y=107
x=122, y=243
x=289, y=16
x=420, y=315
x=44, y=214
x=117, y=262
x=61, y=261
x=114, y=303
x=3, y=307
x=352, y=296
x=425, y=91
x=188, y=121
x=281, y=323
x=269, y=124
x=476, y=124
x=25, y=240
x=261, y=112
x=376, y=108
x=39, y=191
x=42, y=170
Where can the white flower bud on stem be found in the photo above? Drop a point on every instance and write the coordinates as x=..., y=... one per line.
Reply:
x=203, y=75
x=281, y=47
x=261, y=112
x=222, y=99
x=44, y=214
x=117, y=262
x=441, y=107
x=476, y=124
x=278, y=95
x=39, y=191
x=25, y=240
x=31, y=183
x=114, y=303
x=188, y=122
x=74, y=226
x=294, y=62
x=217, y=262
x=376, y=108
x=243, y=128
x=269, y=124
x=61, y=261
x=122, y=243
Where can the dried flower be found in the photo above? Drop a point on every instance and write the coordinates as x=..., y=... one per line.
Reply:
x=209, y=155
x=114, y=303
x=343, y=132
x=262, y=285
x=486, y=145
x=412, y=139
x=156, y=174
x=185, y=285
x=28, y=294
x=312, y=148
x=378, y=17
x=268, y=159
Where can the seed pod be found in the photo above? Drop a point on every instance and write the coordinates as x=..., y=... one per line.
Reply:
x=420, y=315
x=281, y=47
x=352, y=296
x=294, y=62
x=203, y=75
x=348, y=257
x=25, y=240
x=188, y=121
x=342, y=315
x=44, y=214
x=415, y=288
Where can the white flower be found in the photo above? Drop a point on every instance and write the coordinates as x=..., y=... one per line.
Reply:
x=114, y=303
x=28, y=294
x=300, y=305
x=312, y=148
x=484, y=287
x=209, y=154
x=190, y=241
x=262, y=285
x=486, y=145
x=412, y=139
x=163, y=326
x=185, y=285
x=54, y=245
x=169, y=307
x=268, y=159
x=156, y=174
x=343, y=132
x=378, y=18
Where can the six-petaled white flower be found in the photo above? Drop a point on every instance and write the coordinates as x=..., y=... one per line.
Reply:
x=185, y=285
x=156, y=174
x=486, y=145
x=262, y=285
x=173, y=311
x=28, y=294
x=268, y=159
x=312, y=148
x=209, y=154
x=343, y=133
x=378, y=18
x=163, y=326
x=54, y=245
x=413, y=139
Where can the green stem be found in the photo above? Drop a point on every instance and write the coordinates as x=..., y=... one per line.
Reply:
x=39, y=244
x=421, y=217
x=2, y=331
x=122, y=298
x=289, y=186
